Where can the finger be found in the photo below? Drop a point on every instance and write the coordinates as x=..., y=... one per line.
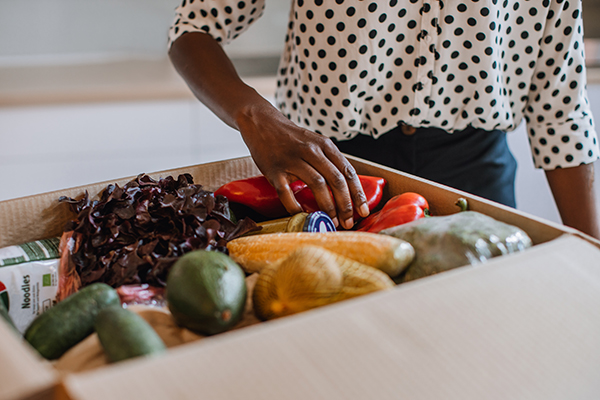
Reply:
x=286, y=195
x=341, y=196
x=318, y=185
x=353, y=182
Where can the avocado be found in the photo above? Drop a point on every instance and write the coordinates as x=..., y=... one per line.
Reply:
x=206, y=292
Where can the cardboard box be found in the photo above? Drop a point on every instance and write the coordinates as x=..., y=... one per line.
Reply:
x=521, y=326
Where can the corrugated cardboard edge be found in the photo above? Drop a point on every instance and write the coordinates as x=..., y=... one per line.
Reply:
x=31, y=378
x=42, y=216
x=523, y=329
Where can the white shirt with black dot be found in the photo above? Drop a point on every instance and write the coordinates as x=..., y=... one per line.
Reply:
x=354, y=67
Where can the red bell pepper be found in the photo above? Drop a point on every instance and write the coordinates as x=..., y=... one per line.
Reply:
x=400, y=209
x=258, y=194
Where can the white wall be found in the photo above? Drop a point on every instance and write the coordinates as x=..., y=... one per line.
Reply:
x=533, y=194
x=74, y=31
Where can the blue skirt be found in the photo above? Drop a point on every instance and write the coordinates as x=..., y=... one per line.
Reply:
x=473, y=160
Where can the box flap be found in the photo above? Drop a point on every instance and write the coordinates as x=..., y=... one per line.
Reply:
x=521, y=326
x=22, y=372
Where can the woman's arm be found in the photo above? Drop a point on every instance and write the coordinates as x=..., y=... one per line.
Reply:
x=575, y=196
x=282, y=151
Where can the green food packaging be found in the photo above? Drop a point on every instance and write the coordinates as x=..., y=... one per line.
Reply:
x=442, y=243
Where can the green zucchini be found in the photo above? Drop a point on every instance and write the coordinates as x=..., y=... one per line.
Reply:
x=70, y=321
x=123, y=334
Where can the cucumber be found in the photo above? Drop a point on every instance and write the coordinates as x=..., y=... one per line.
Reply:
x=123, y=334
x=206, y=292
x=70, y=321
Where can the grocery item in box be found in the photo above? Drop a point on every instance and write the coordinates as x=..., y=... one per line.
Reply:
x=446, y=242
x=29, y=279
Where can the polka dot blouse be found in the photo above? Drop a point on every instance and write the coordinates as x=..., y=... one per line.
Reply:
x=354, y=67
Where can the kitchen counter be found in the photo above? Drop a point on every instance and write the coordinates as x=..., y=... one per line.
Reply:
x=114, y=81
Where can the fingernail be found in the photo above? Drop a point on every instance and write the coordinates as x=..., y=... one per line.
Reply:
x=335, y=222
x=349, y=223
x=364, y=210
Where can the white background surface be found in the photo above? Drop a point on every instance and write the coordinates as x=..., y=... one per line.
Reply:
x=59, y=31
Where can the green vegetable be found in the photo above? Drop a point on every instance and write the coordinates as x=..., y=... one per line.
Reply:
x=206, y=292
x=442, y=243
x=5, y=316
x=123, y=334
x=70, y=321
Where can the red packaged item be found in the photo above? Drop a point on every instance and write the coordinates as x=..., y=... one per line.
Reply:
x=69, y=281
x=143, y=294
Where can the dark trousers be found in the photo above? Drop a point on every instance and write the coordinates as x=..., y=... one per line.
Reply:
x=473, y=160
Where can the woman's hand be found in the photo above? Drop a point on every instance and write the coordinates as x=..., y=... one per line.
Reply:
x=285, y=152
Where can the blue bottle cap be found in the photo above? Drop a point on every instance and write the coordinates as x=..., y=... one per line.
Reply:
x=318, y=221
